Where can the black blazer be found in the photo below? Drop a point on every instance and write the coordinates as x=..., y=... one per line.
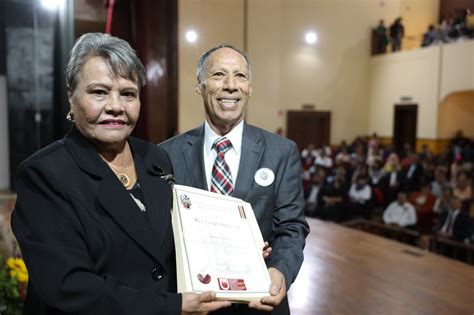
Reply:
x=87, y=246
x=461, y=225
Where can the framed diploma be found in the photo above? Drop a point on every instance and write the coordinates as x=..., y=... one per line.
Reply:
x=218, y=246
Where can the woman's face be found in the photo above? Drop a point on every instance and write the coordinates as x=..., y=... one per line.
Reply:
x=105, y=107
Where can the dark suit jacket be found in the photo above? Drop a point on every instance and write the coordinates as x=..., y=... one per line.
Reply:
x=87, y=246
x=461, y=225
x=279, y=207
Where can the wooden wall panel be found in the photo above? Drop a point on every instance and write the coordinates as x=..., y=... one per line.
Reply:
x=151, y=27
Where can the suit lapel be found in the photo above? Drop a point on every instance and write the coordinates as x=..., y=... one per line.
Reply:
x=252, y=151
x=157, y=198
x=117, y=202
x=195, y=150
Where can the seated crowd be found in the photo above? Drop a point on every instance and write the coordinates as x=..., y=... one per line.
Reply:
x=422, y=191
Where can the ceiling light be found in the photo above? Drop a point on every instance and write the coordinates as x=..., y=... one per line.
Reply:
x=311, y=38
x=50, y=4
x=191, y=36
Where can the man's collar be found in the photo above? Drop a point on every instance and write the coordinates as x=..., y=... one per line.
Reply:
x=235, y=136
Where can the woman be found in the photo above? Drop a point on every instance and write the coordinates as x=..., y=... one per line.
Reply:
x=93, y=212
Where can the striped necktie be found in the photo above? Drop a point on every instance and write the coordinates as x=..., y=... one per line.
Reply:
x=221, y=178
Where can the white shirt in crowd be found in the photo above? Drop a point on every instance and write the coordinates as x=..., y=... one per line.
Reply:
x=232, y=156
x=402, y=215
x=362, y=195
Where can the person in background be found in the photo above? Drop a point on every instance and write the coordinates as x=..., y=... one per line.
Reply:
x=318, y=181
x=231, y=157
x=430, y=37
x=440, y=181
x=455, y=223
x=360, y=196
x=423, y=201
x=413, y=173
x=397, y=31
x=392, y=180
x=463, y=187
x=382, y=38
x=92, y=213
x=400, y=212
x=443, y=203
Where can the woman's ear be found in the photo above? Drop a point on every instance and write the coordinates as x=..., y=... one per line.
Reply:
x=69, y=95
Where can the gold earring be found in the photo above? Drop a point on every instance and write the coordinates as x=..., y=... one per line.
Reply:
x=70, y=116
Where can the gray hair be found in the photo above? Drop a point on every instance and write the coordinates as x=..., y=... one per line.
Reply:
x=202, y=61
x=117, y=53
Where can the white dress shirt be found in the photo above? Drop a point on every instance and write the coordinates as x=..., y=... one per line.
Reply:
x=232, y=156
x=402, y=215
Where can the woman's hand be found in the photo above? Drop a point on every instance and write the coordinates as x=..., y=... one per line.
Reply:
x=201, y=303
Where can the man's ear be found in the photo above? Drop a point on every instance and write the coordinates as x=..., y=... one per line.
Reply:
x=250, y=90
x=197, y=87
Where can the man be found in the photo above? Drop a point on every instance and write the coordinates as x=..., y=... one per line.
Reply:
x=397, y=32
x=400, y=212
x=455, y=223
x=256, y=166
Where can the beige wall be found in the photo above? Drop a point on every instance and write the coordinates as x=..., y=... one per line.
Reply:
x=457, y=68
x=456, y=112
x=417, y=16
x=215, y=21
x=427, y=75
x=333, y=75
x=406, y=74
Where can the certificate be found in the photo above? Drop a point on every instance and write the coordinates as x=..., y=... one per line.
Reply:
x=218, y=246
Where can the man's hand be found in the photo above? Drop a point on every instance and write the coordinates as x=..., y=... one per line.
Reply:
x=202, y=303
x=267, y=250
x=277, y=292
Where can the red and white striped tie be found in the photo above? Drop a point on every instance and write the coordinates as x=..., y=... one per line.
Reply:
x=221, y=179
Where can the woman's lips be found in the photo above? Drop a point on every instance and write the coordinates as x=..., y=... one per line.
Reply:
x=114, y=124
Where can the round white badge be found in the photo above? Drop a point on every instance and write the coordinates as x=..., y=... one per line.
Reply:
x=264, y=177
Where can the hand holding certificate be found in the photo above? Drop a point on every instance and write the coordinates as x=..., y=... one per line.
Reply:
x=218, y=246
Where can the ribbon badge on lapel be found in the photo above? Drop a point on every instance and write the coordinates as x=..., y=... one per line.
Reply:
x=169, y=178
x=264, y=177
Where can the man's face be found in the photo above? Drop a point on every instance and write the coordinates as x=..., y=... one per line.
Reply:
x=402, y=198
x=225, y=89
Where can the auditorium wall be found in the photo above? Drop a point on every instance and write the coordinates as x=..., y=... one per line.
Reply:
x=456, y=112
x=216, y=22
x=333, y=75
x=427, y=77
x=409, y=74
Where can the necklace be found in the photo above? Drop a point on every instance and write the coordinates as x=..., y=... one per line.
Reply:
x=121, y=175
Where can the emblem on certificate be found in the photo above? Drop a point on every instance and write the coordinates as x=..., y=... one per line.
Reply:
x=219, y=246
x=185, y=201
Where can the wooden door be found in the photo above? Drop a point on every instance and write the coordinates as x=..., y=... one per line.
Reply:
x=308, y=127
x=404, y=126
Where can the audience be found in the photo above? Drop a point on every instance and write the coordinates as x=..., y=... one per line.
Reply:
x=366, y=176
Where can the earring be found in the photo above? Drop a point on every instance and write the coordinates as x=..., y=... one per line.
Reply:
x=70, y=116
